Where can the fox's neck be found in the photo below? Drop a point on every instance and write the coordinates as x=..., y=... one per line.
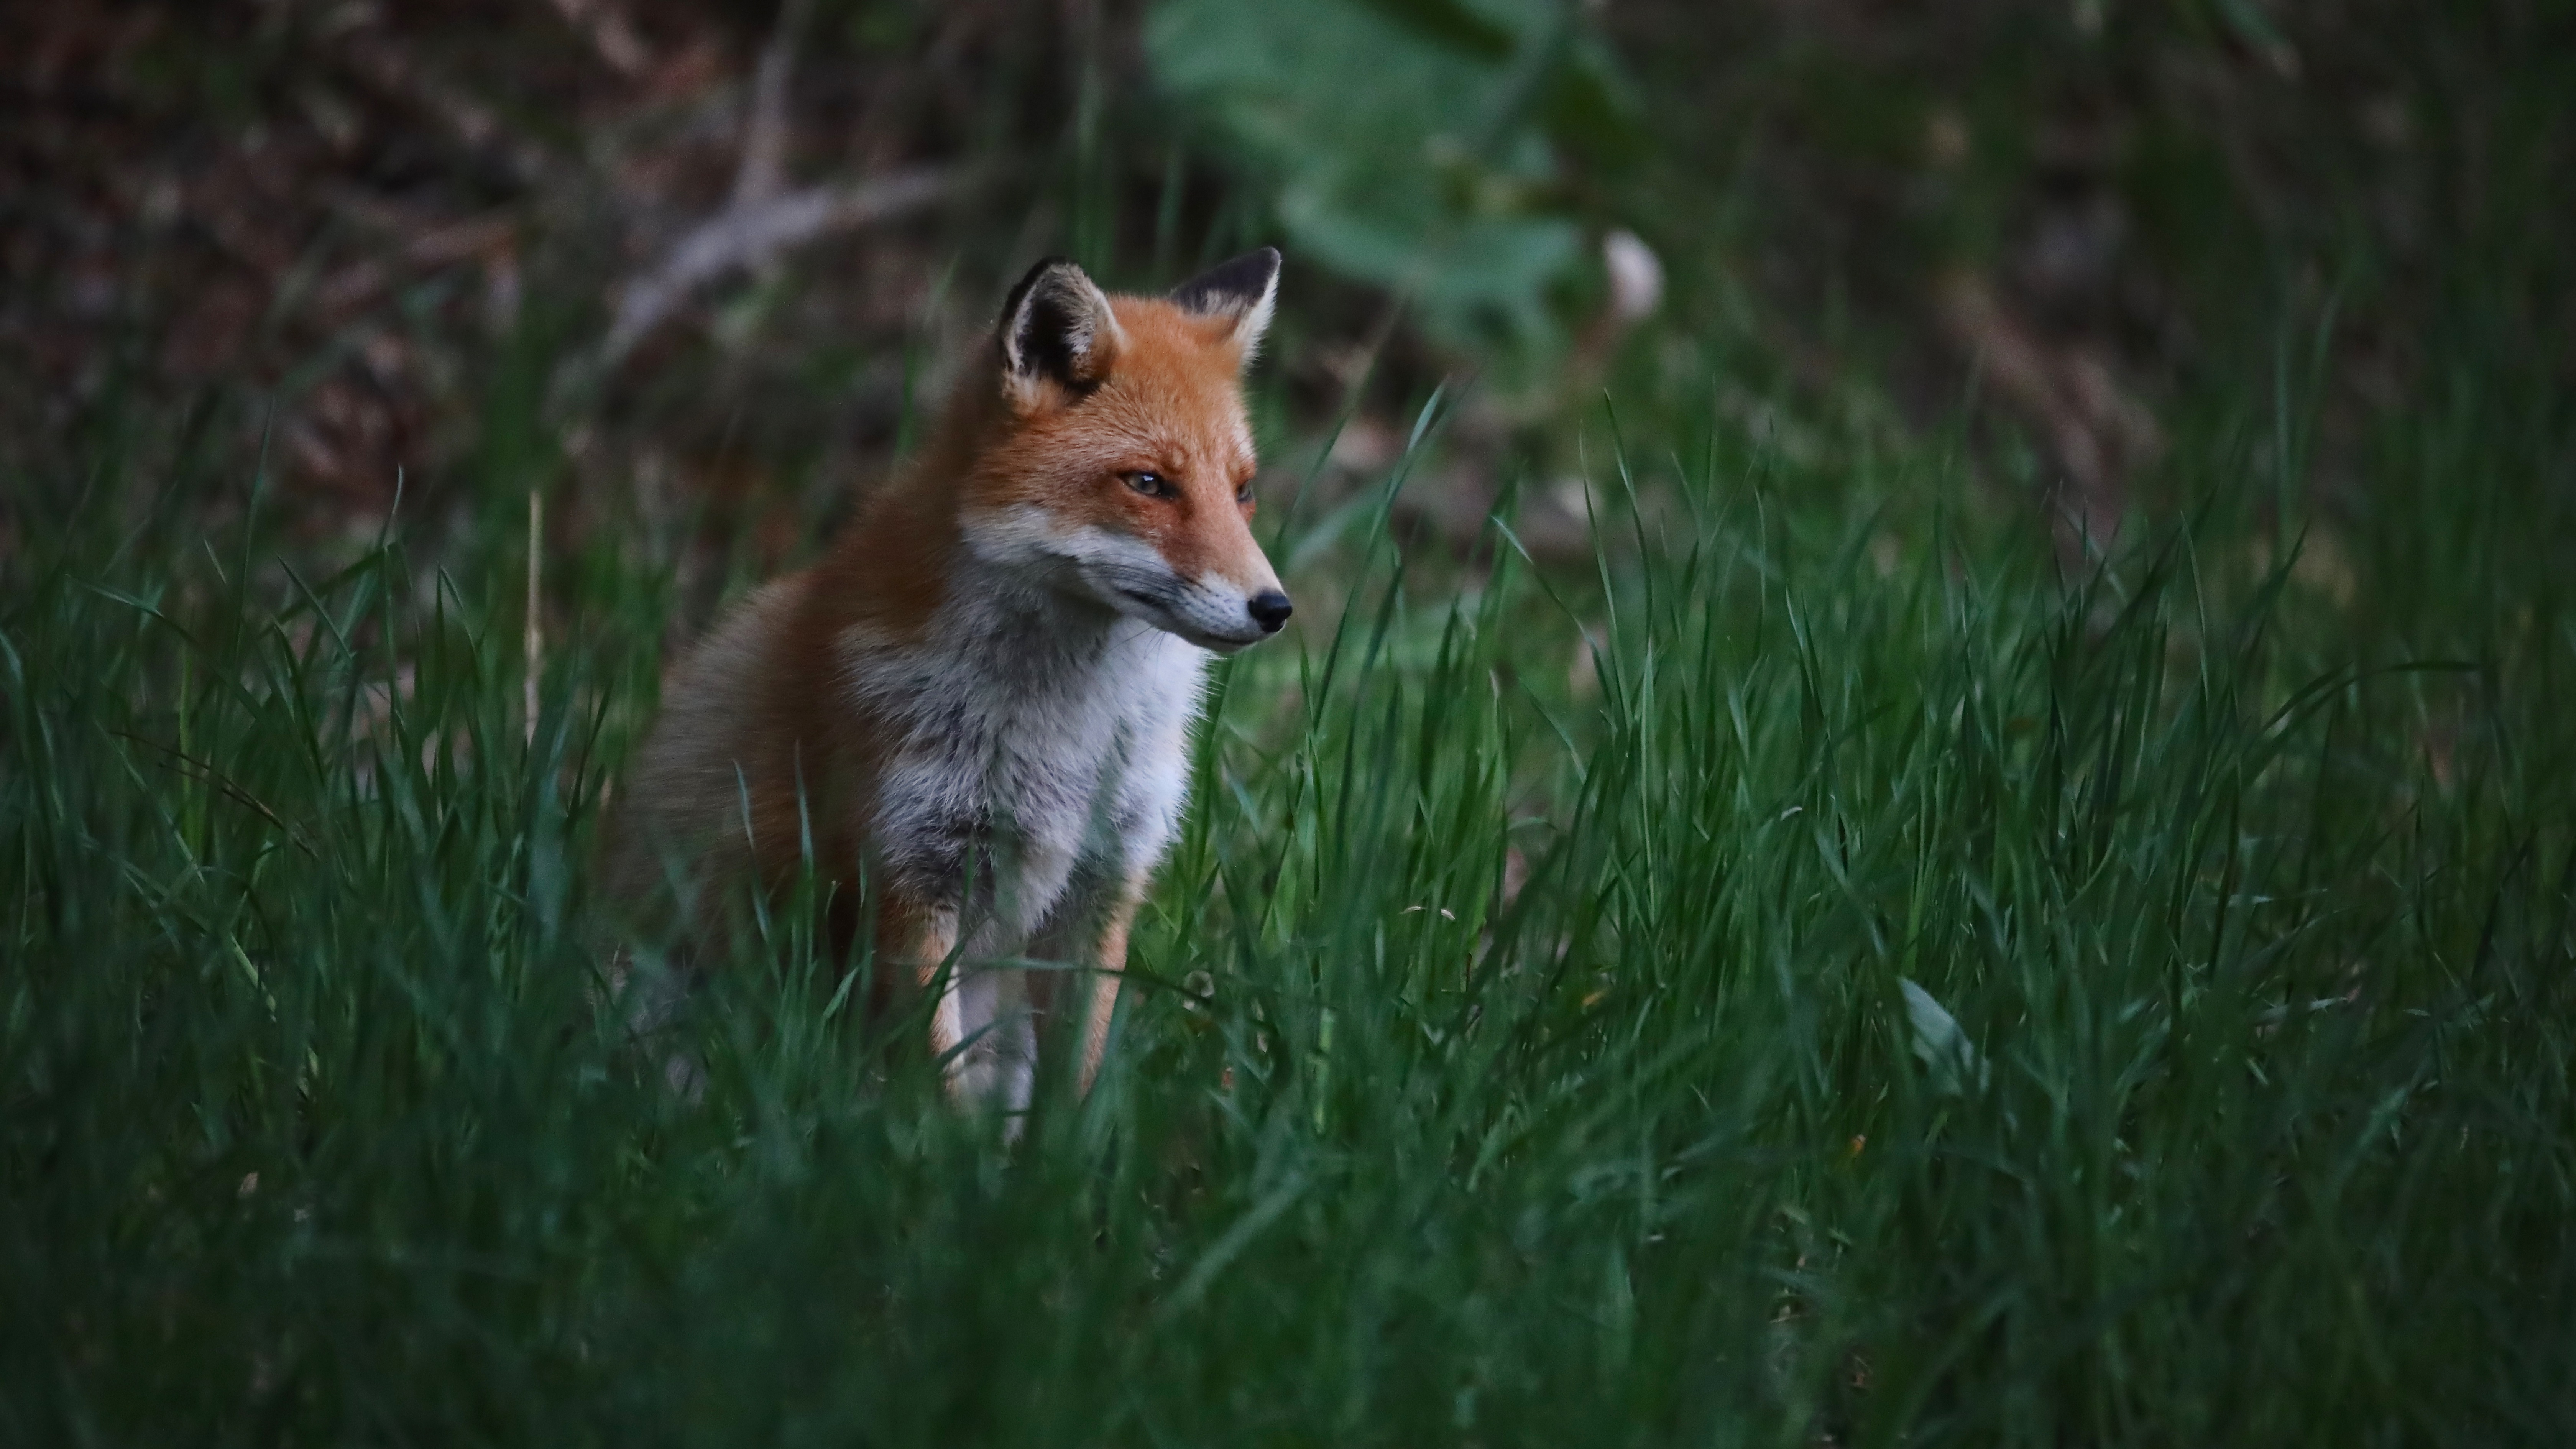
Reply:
x=998, y=619
x=903, y=575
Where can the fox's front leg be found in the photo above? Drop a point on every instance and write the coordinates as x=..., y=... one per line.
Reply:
x=921, y=937
x=1109, y=963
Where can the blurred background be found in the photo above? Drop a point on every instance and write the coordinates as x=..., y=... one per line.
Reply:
x=690, y=270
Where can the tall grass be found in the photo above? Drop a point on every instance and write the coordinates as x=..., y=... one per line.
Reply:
x=1884, y=996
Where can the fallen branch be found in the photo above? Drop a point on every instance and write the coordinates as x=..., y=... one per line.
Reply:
x=741, y=237
x=611, y=35
x=763, y=173
x=2097, y=431
x=762, y=218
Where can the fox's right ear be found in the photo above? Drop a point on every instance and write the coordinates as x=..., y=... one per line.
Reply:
x=1057, y=332
x=1245, y=290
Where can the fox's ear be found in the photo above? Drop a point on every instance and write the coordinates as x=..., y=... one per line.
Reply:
x=1245, y=290
x=1056, y=330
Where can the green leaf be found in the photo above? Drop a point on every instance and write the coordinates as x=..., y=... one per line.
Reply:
x=1416, y=145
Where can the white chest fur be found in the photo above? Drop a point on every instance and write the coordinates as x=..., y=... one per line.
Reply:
x=1029, y=740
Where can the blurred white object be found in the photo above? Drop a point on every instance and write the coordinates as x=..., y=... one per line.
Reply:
x=1957, y=1065
x=1636, y=276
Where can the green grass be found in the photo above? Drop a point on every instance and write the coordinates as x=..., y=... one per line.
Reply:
x=1518, y=1062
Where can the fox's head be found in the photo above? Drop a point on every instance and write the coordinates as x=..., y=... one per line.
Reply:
x=1121, y=469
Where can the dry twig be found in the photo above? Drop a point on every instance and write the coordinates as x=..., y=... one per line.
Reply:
x=610, y=34
x=763, y=218
x=2097, y=430
x=741, y=236
x=763, y=174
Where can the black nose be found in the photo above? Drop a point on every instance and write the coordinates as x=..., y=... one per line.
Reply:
x=1270, y=609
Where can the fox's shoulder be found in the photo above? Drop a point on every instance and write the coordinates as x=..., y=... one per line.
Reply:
x=712, y=716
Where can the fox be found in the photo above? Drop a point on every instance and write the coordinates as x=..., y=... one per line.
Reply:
x=979, y=701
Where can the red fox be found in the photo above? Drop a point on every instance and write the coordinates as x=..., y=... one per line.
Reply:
x=982, y=695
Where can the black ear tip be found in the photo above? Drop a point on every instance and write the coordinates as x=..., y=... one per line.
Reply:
x=1260, y=262
x=1020, y=289
x=1231, y=285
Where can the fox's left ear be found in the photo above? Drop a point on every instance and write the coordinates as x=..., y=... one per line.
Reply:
x=1245, y=290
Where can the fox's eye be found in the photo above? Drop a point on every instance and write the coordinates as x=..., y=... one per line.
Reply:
x=1243, y=491
x=1153, y=485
